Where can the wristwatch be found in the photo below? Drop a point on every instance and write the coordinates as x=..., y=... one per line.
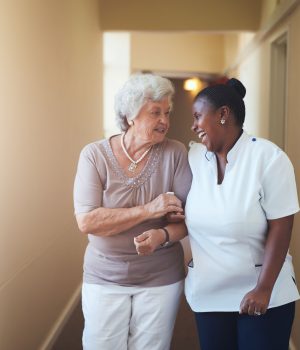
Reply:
x=167, y=240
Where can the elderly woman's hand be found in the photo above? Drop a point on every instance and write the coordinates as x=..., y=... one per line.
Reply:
x=163, y=204
x=148, y=241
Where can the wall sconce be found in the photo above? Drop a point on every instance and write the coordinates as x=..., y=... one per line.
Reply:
x=193, y=84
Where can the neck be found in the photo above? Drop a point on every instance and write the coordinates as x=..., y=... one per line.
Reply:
x=134, y=145
x=228, y=145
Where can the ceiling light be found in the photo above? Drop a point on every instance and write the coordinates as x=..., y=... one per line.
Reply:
x=193, y=84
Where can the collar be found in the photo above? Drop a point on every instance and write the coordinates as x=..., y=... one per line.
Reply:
x=232, y=154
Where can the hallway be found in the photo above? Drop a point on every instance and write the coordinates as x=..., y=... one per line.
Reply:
x=51, y=105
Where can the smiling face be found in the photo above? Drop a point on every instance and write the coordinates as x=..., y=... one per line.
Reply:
x=153, y=121
x=207, y=125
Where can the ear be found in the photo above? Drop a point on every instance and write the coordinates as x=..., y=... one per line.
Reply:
x=224, y=112
x=130, y=122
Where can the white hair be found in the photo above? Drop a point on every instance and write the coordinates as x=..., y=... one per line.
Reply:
x=136, y=91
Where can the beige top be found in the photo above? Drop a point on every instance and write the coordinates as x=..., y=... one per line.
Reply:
x=101, y=182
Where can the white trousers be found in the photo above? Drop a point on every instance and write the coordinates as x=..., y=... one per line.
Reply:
x=129, y=318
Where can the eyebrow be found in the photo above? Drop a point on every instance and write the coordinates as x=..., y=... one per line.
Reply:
x=160, y=109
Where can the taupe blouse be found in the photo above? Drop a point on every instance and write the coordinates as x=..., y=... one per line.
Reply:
x=101, y=182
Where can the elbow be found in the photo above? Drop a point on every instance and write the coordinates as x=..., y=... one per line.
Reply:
x=83, y=229
x=82, y=222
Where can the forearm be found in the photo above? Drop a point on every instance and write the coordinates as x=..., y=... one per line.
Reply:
x=277, y=245
x=147, y=242
x=177, y=231
x=109, y=222
x=256, y=301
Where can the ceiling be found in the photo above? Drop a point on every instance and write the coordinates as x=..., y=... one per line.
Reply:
x=179, y=15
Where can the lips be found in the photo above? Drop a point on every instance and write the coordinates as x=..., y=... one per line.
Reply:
x=201, y=135
x=161, y=130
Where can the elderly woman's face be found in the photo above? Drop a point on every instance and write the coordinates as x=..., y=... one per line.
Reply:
x=207, y=125
x=153, y=121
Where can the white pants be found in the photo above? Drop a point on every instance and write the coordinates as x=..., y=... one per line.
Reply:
x=129, y=318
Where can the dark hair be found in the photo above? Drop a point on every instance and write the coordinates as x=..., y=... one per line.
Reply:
x=230, y=94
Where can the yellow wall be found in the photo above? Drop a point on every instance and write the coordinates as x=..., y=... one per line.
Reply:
x=254, y=70
x=50, y=88
x=177, y=52
x=160, y=15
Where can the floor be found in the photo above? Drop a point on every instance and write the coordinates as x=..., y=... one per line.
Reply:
x=185, y=336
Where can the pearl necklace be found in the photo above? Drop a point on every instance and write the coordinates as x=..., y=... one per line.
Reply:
x=134, y=163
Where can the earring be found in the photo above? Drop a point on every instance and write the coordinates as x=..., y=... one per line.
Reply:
x=130, y=122
x=222, y=121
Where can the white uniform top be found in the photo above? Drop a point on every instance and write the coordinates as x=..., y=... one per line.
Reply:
x=227, y=223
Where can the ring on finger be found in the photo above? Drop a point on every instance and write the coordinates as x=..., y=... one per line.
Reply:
x=257, y=313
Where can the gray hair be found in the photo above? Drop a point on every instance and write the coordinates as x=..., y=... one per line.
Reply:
x=136, y=91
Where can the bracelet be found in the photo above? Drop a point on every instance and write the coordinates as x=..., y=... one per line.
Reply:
x=167, y=240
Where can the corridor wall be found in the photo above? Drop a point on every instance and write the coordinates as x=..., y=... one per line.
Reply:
x=50, y=106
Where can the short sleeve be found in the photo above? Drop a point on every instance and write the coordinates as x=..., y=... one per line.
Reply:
x=182, y=176
x=88, y=188
x=279, y=191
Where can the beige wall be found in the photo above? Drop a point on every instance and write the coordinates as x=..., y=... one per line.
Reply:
x=293, y=131
x=177, y=52
x=234, y=45
x=271, y=10
x=180, y=15
x=254, y=71
x=50, y=90
x=267, y=9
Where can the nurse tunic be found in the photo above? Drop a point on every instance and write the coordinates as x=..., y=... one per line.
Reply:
x=227, y=223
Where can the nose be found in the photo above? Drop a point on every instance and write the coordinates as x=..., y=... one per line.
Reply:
x=164, y=118
x=194, y=126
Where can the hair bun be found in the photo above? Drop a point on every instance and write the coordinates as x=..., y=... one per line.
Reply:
x=237, y=86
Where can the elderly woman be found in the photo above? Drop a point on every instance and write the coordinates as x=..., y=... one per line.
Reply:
x=239, y=215
x=129, y=195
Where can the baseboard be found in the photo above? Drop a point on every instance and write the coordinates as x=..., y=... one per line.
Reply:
x=61, y=320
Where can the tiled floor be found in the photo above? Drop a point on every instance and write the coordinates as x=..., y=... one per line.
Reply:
x=185, y=336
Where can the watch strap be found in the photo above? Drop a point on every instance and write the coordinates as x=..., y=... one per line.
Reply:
x=167, y=237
